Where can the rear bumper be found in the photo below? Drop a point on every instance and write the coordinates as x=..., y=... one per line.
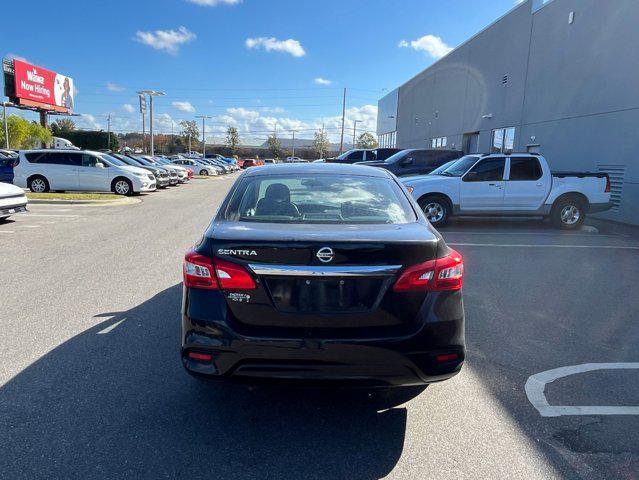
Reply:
x=599, y=207
x=7, y=210
x=406, y=360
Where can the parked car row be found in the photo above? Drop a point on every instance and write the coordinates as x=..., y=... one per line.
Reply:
x=212, y=164
x=44, y=170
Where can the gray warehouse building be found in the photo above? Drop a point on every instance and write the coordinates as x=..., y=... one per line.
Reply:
x=557, y=77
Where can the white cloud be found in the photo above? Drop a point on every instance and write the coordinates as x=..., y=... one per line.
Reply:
x=322, y=81
x=430, y=44
x=166, y=40
x=269, y=44
x=127, y=107
x=89, y=121
x=13, y=56
x=184, y=106
x=213, y=3
x=112, y=87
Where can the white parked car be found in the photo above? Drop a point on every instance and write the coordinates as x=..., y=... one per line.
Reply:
x=85, y=170
x=509, y=185
x=12, y=200
x=198, y=167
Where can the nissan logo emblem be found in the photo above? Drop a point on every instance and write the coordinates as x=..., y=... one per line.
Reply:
x=325, y=254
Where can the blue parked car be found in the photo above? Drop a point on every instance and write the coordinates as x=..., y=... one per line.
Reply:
x=8, y=160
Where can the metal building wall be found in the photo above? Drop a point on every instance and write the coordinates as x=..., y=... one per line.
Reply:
x=572, y=88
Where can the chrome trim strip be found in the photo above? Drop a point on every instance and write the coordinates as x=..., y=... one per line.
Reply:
x=322, y=271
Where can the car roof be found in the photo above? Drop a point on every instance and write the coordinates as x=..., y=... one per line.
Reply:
x=317, y=168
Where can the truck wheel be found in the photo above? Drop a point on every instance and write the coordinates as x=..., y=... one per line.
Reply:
x=436, y=208
x=38, y=184
x=568, y=213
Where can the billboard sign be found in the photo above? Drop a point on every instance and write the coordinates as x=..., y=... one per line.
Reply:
x=142, y=103
x=41, y=86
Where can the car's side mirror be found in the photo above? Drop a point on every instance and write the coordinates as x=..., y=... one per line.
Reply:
x=407, y=161
x=99, y=165
x=470, y=177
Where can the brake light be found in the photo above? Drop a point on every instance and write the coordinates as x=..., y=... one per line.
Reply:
x=233, y=276
x=607, y=190
x=209, y=274
x=198, y=271
x=446, y=273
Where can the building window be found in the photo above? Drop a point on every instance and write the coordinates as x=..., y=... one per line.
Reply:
x=439, y=142
x=503, y=140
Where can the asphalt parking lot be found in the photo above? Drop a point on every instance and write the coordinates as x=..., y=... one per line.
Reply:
x=91, y=385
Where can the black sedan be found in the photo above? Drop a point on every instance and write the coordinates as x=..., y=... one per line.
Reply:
x=322, y=273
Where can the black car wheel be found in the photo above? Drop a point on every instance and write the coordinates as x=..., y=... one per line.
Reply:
x=436, y=208
x=38, y=184
x=122, y=186
x=568, y=213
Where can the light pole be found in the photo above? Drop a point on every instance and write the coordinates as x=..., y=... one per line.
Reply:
x=203, y=117
x=355, y=122
x=151, y=94
x=293, y=154
x=6, y=126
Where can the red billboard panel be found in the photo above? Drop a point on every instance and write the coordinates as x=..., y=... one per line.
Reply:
x=43, y=86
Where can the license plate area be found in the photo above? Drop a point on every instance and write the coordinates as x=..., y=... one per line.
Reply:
x=326, y=295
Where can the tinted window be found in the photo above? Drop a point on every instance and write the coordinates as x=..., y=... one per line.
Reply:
x=88, y=160
x=53, y=158
x=489, y=170
x=357, y=155
x=525, y=169
x=319, y=199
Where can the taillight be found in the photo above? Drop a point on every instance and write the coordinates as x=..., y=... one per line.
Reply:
x=206, y=273
x=233, y=276
x=446, y=273
x=198, y=271
x=607, y=190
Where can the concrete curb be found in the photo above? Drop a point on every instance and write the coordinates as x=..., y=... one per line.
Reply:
x=95, y=203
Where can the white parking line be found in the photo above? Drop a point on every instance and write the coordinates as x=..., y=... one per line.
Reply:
x=516, y=245
x=536, y=384
x=111, y=327
x=7, y=231
x=30, y=226
x=50, y=215
x=543, y=234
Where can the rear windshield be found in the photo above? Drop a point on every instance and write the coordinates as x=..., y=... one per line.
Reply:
x=319, y=199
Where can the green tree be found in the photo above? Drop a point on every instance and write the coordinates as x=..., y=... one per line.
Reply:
x=36, y=136
x=190, y=130
x=24, y=134
x=232, y=139
x=367, y=140
x=321, y=144
x=274, y=146
x=62, y=125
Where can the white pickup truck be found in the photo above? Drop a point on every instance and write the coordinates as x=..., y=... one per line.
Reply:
x=509, y=185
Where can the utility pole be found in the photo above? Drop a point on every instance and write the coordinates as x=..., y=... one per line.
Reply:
x=341, y=140
x=6, y=126
x=109, y=131
x=203, y=117
x=293, y=154
x=355, y=122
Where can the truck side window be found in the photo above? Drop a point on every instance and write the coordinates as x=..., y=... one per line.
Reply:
x=489, y=170
x=357, y=155
x=525, y=168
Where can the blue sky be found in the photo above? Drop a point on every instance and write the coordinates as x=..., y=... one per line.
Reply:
x=248, y=63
